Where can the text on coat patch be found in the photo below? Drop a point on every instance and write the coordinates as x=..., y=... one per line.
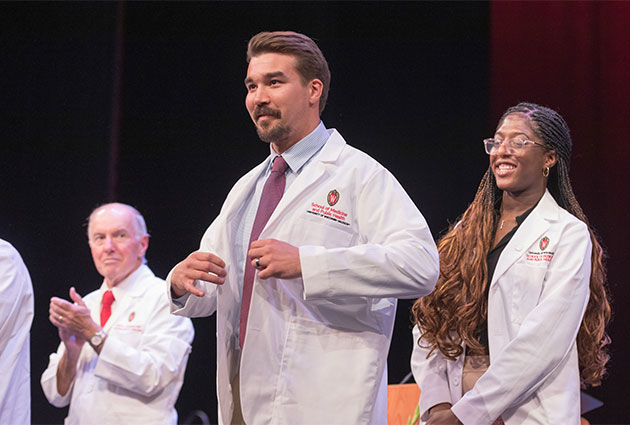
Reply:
x=329, y=213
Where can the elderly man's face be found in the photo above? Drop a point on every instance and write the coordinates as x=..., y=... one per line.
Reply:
x=116, y=249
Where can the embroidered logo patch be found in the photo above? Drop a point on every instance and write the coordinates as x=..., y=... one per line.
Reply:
x=329, y=212
x=131, y=316
x=544, y=243
x=333, y=197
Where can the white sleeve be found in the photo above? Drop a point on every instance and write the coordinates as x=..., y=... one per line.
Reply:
x=545, y=338
x=191, y=305
x=16, y=317
x=48, y=380
x=16, y=298
x=156, y=361
x=194, y=306
x=430, y=375
x=396, y=257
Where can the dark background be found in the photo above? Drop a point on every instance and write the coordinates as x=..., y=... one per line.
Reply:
x=143, y=103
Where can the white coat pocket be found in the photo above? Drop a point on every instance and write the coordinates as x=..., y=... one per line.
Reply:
x=317, y=232
x=328, y=366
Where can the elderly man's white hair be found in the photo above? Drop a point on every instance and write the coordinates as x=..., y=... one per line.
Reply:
x=139, y=225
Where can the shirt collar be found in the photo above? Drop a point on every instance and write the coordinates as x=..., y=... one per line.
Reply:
x=124, y=287
x=299, y=154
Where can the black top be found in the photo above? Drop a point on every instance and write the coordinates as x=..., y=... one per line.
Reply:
x=492, y=259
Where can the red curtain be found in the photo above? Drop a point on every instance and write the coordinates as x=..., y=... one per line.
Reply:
x=575, y=57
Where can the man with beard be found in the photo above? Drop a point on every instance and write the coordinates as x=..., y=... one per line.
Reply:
x=306, y=260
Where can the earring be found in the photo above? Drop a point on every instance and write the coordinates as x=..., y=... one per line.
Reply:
x=546, y=172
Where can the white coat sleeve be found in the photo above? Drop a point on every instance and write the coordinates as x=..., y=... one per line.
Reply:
x=157, y=359
x=16, y=299
x=430, y=375
x=194, y=306
x=48, y=380
x=396, y=256
x=546, y=336
x=16, y=317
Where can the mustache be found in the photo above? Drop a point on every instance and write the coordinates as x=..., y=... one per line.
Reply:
x=266, y=110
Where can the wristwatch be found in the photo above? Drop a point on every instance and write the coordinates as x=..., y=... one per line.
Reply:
x=98, y=338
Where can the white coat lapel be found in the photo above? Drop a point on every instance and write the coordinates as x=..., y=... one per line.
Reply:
x=242, y=190
x=126, y=305
x=311, y=175
x=532, y=229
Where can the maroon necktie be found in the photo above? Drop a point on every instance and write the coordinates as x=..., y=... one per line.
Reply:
x=271, y=194
x=106, y=308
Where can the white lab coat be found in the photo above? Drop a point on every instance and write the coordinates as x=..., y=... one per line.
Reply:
x=137, y=376
x=16, y=317
x=316, y=348
x=535, y=306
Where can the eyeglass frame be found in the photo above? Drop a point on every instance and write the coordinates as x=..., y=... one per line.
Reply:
x=509, y=146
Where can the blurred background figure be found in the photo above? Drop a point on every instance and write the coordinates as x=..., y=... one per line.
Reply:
x=16, y=316
x=122, y=355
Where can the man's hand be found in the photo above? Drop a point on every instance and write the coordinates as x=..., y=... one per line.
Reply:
x=73, y=342
x=275, y=259
x=442, y=414
x=72, y=318
x=197, y=266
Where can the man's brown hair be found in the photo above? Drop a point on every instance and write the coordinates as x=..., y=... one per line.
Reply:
x=310, y=62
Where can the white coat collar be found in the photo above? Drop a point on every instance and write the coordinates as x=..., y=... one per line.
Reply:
x=322, y=164
x=532, y=229
x=124, y=294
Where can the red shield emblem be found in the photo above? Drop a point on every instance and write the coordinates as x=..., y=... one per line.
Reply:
x=544, y=243
x=333, y=197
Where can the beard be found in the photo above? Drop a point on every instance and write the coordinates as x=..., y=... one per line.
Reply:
x=268, y=132
x=273, y=133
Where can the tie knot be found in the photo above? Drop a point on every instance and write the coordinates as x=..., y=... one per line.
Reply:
x=108, y=298
x=279, y=165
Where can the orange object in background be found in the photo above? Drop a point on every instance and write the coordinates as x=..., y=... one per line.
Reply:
x=401, y=403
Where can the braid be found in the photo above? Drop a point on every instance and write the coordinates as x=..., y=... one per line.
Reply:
x=452, y=313
x=592, y=339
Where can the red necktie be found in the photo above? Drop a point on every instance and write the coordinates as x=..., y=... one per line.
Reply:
x=106, y=308
x=271, y=194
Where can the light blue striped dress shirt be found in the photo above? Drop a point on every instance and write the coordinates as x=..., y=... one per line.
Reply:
x=297, y=156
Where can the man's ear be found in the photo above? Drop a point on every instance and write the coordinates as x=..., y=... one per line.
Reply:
x=316, y=87
x=144, y=243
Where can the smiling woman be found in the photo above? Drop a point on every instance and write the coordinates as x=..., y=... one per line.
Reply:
x=519, y=312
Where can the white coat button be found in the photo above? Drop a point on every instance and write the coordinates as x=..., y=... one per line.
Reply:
x=519, y=248
x=456, y=381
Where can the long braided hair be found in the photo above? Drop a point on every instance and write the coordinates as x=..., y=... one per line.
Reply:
x=458, y=305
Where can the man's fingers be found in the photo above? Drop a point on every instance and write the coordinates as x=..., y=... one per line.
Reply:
x=265, y=273
x=59, y=306
x=207, y=257
x=202, y=266
x=56, y=317
x=76, y=297
x=207, y=267
x=190, y=287
x=205, y=276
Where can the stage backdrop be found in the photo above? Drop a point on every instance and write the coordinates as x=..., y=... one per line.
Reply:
x=145, y=104
x=575, y=58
